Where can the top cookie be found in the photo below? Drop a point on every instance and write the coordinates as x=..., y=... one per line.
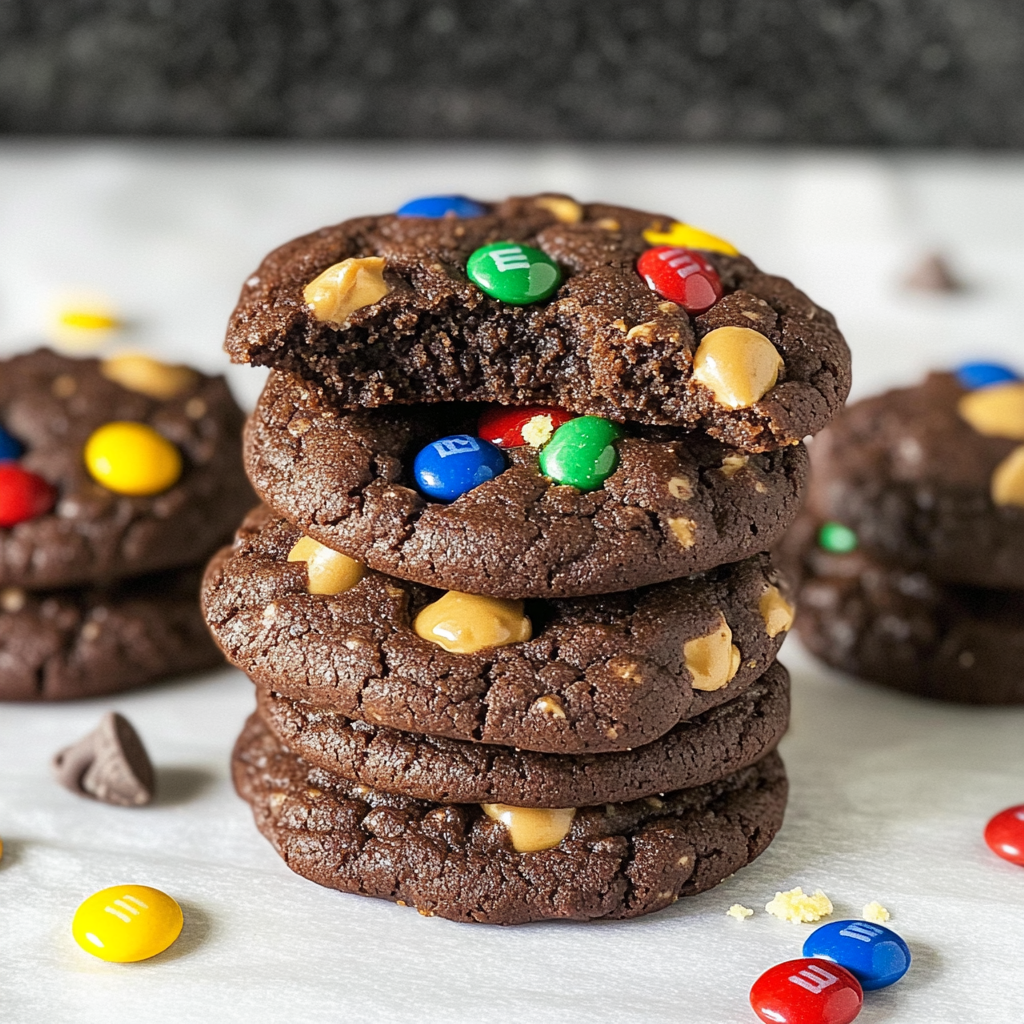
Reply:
x=930, y=478
x=423, y=312
x=101, y=480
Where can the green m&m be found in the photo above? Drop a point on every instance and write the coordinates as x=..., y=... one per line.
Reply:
x=581, y=453
x=836, y=538
x=513, y=273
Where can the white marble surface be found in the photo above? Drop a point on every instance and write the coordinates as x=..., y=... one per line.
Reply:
x=889, y=794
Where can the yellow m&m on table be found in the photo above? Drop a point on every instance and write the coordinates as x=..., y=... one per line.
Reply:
x=132, y=458
x=126, y=923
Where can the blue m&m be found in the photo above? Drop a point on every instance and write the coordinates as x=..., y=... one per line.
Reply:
x=436, y=207
x=449, y=467
x=982, y=375
x=10, y=447
x=876, y=956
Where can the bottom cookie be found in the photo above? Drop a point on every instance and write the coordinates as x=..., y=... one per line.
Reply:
x=615, y=861
x=68, y=644
x=900, y=628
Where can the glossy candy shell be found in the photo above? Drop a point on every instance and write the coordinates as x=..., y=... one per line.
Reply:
x=10, y=447
x=682, y=276
x=806, y=991
x=503, y=424
x=451, y=466
x=875, y=955
x=513, y=273
x=983, y=375
x=127, y=923
x=1004, y=834
x=581, y=453
x=436, y=207
x=23, y=495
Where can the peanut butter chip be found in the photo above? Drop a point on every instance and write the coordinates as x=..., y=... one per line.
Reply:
x=466, y=623
x=685, y=531
x=738, y=365
x=1008, y=479
x=329, y=571
x=565, y=210
x=532, y=828
x=608, y=224
x=712, y=659
x=681, y=488
x=549, y=706
x=148, y=376
x=347, y=286
x=996, y=411
x=776, y=611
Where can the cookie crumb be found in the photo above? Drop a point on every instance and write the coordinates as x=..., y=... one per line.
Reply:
x=799, y=907
x=740, y=912
x=875, y=913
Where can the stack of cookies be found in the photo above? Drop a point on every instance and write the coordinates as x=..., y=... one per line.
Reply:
x=506, y=605
x=118, y=479
x=910, y=554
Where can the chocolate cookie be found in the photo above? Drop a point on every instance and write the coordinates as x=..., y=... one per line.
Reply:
x=619, y=860
x=899, y=627
x=68, y=644
x=605, y=343
x=716, y=743
x=600, y=673
x=920, y=485
x=678, y=503
x=84, y=532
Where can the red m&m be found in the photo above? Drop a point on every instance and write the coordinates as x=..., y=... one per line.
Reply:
x=807, y=991
x=1004, y=834
x=510, y=426
x=23, y=495
x=681, y=275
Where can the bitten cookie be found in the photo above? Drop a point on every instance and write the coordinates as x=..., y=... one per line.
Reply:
x=897, y=626
x=572, y=675
x=676, y=503
x=459, y=862
x=69, y=644
x=599, y=309
x=930, y=478
x=112, y=469
x=716, y=743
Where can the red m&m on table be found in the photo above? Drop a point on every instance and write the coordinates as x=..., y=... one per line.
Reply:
x=23, y=495
x=513, y=426
x=681, y=275
x=807, y=991
x=1004, y=834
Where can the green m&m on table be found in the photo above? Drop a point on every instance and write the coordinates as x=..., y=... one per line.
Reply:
x=581, y=453
x=514, y=273
x=836, y=538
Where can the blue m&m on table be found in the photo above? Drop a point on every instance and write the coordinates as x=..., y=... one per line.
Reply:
x=436, y=207
x=982, y=375
x=10, y=447
x=876, y=956
x=450, y=467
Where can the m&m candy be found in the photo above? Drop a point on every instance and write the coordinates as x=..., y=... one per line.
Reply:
x=690, y=237
x=682, y=276
x=436, y=207
x=513, y=273
x=1004, y=834
x=806, y=992
x=581, y=453
x=453, y=465
x=23, y=495
x=513, y=426
x=126, y=923
x=836, y=538
x=981, y=375
x=875, y=955
x=10, y=447
x=132, y=458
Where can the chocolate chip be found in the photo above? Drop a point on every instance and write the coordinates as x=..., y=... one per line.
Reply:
x=110, y=764
x=933, y=274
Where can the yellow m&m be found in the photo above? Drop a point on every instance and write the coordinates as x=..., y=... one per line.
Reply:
x=126, y=923
x=132, y=458
x=689, y=237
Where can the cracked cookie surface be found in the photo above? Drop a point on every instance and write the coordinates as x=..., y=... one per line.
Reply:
x=604, y=344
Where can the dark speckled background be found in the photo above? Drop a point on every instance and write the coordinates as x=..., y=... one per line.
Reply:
x=862, y=72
